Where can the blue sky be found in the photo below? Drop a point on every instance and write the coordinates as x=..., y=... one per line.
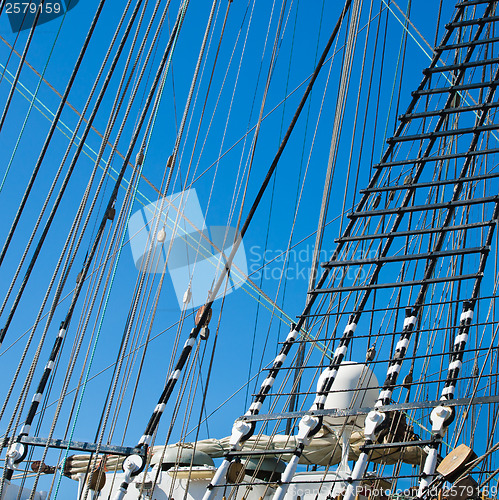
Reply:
x=246, y=340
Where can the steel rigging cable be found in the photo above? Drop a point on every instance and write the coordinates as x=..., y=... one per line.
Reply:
x=34, y=95
x=172, y=165
x=58, y=173
x=145, y=143
x=21, y=63
x=61, y=284
x=74, y=231
x=165, y=59
x=126, y=114
x=133, y=187
x=59, y=290
x=153, y=422
x=50, y=134
x=86, y=265
x=80, y=239
x=69, y=173
x=11, y=51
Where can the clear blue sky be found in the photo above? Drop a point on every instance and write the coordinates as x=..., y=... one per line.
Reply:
x=232, y=108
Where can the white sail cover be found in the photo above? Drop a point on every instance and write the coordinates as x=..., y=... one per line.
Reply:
x=324, y=450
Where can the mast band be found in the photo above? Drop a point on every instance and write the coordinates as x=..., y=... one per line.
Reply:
x=448, y=390
x=402, y=344
x=145, y=439
x=341, y=351
x=350, y=328
x=411, y=320
x=256, y=406
x=320, y=400
x=394, y=369
x=387, y=394
x=467, y=315
x=280, y=358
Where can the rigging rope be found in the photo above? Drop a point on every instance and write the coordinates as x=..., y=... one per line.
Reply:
x=72, y=165
x=67, y=265
x=32, y=103
x=50, y=134
x=20, y=66
x=160, y=74
x=111, y=202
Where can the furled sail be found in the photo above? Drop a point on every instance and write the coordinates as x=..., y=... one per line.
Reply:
x=324, y=450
